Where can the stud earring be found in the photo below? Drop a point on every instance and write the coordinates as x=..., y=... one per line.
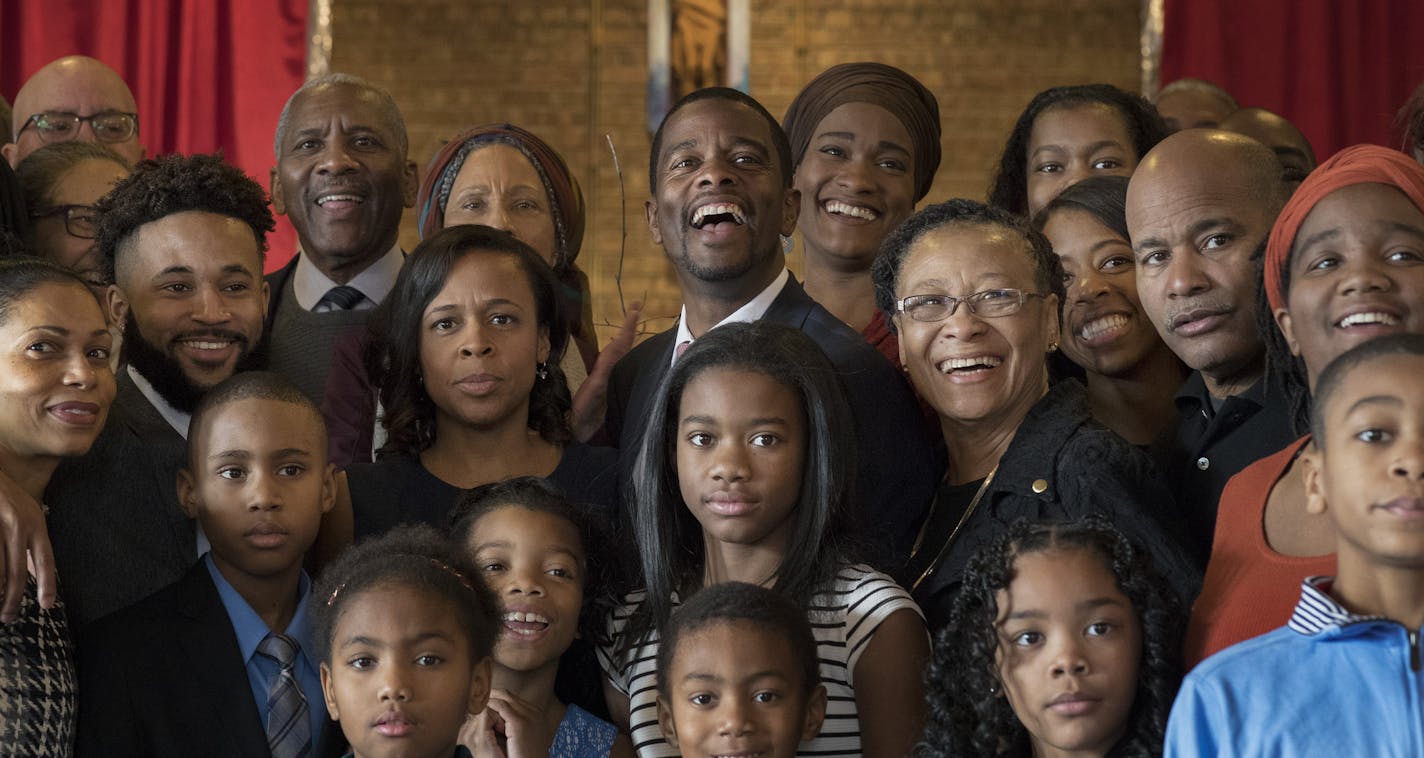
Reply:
x=787, y=244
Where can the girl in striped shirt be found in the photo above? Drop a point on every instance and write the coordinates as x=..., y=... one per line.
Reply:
x=745, y=474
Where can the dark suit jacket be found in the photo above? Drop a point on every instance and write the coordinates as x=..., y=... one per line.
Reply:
x=114, y=520
x=165, y=678
x=276, y=289
x=896, y=473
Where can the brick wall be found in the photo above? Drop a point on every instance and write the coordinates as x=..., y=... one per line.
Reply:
x=572, y=71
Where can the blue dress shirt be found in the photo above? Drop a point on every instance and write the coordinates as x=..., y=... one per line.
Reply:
x=261, y=670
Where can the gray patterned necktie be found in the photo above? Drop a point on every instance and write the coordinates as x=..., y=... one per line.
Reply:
x=288, y=728
x=341, y=298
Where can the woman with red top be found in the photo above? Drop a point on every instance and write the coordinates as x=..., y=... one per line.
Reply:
x=1344, y=264
x=865, y=145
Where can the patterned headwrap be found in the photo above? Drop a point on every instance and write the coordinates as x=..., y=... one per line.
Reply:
x=1360, y=164
x=565, y=198
x=878, y=84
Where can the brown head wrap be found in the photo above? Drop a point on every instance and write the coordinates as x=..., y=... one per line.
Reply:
x=877, y=84
x=564, y=196
x=1361, y=164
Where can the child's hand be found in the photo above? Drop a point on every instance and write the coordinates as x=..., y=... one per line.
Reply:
x=518, y=726
x=480, y=734
x=591, y=401
x=525, y=727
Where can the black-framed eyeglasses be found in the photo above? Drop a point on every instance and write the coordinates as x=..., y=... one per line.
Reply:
x=80, y=221
x=988, y=304
x=62, y=126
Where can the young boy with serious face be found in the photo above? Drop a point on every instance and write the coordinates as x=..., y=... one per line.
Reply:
x=1345, y=675
x=218, y=662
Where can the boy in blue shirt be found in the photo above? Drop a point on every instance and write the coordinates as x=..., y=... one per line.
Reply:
x=217, y=663
x=1343, y=677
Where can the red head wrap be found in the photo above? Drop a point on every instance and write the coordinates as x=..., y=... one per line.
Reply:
x=1361, y=164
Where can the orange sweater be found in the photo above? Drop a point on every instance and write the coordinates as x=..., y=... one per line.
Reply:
x=1249, y=589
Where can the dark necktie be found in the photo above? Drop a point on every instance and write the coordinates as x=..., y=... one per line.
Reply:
x=288, y=728
x=342, y=298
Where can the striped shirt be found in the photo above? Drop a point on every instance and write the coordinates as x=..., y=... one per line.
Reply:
x=843, y=619
x=1317, y=611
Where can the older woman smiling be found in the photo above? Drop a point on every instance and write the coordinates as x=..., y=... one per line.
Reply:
x=973, y=294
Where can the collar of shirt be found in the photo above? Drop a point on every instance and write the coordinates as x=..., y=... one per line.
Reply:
x=752, y=311
x=250, y=627
x=175, y=418
x=1318, y=612
x=309, y=283
x=1193, y=395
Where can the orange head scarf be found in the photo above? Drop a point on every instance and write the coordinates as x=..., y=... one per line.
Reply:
x=1360, y=164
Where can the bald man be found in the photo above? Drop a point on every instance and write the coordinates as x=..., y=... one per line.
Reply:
x=1199, y=208
x=1285, y=140
x=1189, y=103
x=76, y=97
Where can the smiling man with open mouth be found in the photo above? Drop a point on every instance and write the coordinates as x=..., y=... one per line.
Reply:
x=343, y=180
x=722, y=197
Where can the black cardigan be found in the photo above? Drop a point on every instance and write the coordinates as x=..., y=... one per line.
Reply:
x=1086, y=469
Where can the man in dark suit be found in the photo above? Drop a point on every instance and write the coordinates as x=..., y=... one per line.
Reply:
x=225, y=662
x=720, y=174
x=186, y=236
x=342, y=178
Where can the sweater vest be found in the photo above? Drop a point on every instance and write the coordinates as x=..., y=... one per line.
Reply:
x=301, y=342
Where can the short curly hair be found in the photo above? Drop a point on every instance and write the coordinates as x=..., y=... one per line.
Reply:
x=1009, y=189
x=161, y=187
x=885, y=271
x=966, y=720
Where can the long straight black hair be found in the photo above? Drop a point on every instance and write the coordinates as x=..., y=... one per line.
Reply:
x=669, y=538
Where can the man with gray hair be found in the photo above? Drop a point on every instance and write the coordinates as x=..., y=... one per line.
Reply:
x=343, y=179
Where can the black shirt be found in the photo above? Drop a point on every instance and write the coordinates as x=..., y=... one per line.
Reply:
x=400, y=490
x=1212, y=442
x=950, y=503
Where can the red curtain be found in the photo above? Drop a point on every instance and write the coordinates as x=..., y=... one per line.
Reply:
x=1338, y=70
x=208, y=75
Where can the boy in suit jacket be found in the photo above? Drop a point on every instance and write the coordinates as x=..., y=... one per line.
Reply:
x=217, y=664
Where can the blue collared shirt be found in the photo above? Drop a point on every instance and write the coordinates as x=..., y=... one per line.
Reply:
x=261, y=670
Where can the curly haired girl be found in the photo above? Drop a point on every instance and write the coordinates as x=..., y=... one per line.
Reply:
x=1063, y=639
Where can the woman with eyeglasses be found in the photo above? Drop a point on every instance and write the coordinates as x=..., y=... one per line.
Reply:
x=973, y=293
x=62, y=182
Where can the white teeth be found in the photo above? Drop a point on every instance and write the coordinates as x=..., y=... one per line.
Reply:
x=1368, y=318
x=203, y=345
x=718, y=209
x=1099, y=325
x=324, y=199
x=846, y=209
x=978, y=361
x=525, y=617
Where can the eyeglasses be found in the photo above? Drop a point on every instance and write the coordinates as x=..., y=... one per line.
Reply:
x=988, y=304
x=80, y=221
x=60, y=126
